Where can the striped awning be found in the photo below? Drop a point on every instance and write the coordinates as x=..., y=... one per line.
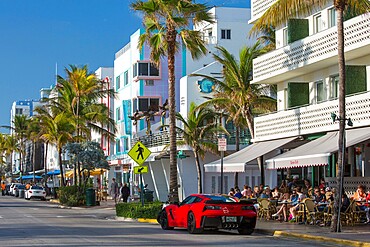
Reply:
x=317, y=152
x=236, y=162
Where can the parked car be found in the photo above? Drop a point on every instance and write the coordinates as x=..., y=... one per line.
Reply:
x=199, y=212
x=18, y=188
x=11, y=191
x=35, y=192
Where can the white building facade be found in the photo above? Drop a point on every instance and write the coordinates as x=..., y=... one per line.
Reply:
x=304, y=67
x=230, y=30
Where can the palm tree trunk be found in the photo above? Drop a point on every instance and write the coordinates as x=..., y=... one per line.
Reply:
x=62, y=184
x=34, y=161
x=45, y=162
x=237, y=148
x=171, y=41
x=199, y=171
x=340, y=5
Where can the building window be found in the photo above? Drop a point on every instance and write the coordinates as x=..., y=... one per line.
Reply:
x=332, y=17
x=317, y=23
x=334, y=86
x=118, y=113
x=118, y=82
x=126, y=146
x=125, y=78
x=285, y=36
x=118, y=146
x=18, y=111
x=143, y=104
x=319, y=89
x=225, y=33
x=213, y=185
x=145, y=69
x=226, y=184
x=149, y=82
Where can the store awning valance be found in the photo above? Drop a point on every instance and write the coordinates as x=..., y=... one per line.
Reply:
x=317, y=152
x=236, y=162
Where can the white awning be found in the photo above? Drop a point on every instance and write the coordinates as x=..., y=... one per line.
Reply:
x=236, y=162
x=317, y=152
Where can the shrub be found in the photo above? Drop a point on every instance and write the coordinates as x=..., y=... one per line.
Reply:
x=70, y=196
x=135, y=210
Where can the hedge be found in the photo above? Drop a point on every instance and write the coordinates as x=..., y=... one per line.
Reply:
x=135, y=210
x=70, y=196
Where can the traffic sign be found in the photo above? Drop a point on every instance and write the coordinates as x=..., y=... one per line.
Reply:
x=140, y=169
x=222, y=144
x=139, y=153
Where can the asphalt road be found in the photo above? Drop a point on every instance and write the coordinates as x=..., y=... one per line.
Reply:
x=38, y=223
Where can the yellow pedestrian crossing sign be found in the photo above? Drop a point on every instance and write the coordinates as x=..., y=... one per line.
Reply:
x=140, y=169
x=139, y=153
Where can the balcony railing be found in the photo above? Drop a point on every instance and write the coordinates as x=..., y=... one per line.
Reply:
x=210, y=40
x=316, y=51
x=259, y=7
x=312, y=119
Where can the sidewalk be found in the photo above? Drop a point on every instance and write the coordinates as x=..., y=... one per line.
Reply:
x=358, y=235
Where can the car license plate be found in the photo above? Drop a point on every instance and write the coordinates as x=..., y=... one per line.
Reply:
x=230, y=219
x=37, y=192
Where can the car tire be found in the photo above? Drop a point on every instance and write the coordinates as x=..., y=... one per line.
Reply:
x=245, y=231
x=192, y=226
x=163, y=221
x=27, y=198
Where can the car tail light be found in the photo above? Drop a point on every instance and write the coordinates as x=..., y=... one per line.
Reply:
x=30, y=191
x=249, y=207
x=211, y=207
x=43, y=192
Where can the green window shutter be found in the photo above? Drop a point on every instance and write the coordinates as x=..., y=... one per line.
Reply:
x=297, y=29
x=298, y=94
x=355, y=79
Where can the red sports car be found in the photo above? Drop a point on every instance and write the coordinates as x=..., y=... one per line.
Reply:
x=199, y=212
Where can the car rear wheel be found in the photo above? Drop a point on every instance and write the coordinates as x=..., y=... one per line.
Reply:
x=245, y=231
x=163, y=221
x=192, y=226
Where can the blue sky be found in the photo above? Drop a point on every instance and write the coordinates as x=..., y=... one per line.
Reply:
x=37, y=34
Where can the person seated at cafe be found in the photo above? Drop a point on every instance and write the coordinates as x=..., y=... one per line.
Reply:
x=345, y=201
x=307, y=190
x=238, y=194
x=276, y=193
x=232, y=192
x=328, y=194
x=322, y=184
x=247, y=193
x=367, y=209
x=256, y=192
x=293, y=184
x=360, y=196
x=293, y=210
x=285, y=205
x=319, y=198
x=266, y=193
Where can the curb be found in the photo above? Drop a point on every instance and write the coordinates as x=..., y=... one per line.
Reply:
x=141, y=220
x=321, y=238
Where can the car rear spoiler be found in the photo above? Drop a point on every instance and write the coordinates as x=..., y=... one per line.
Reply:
x=243, y=201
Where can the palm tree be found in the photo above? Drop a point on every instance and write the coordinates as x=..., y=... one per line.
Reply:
x=10, y=146
x=166, y=23
x=199, y=131
x=78, y=94
x=19, y=128
x=234, y=93
x=33, y=134
x=278, y=14
x=58, y=131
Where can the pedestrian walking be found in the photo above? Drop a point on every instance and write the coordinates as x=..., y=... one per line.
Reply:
x=125, y=192
x=3, y=188
x=114, y=190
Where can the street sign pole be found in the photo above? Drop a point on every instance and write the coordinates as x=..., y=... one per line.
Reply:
x=222, y=147
x=141, y=190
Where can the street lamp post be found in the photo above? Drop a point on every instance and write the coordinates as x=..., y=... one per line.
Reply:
x=343, y=149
